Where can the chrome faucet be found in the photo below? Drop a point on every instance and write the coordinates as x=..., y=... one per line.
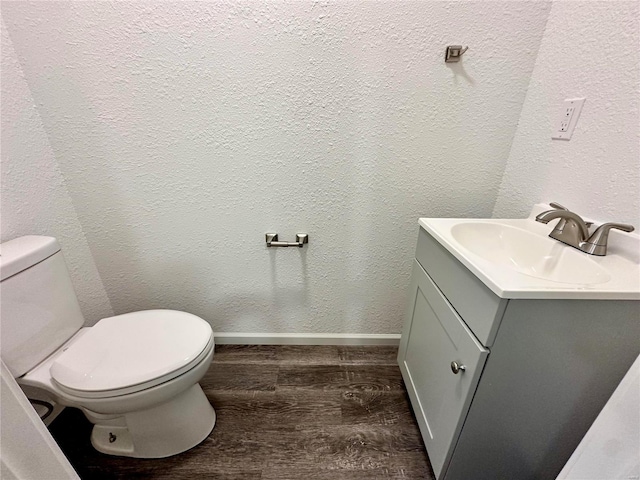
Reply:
x=574, y=231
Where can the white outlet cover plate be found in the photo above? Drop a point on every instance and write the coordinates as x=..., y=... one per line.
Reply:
x=570, y=112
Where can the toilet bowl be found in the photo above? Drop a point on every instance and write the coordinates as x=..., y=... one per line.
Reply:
x=135, y=376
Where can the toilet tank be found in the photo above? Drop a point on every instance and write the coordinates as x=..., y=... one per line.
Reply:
x=39, y=310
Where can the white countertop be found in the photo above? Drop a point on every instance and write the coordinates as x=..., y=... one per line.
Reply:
x=622, y=262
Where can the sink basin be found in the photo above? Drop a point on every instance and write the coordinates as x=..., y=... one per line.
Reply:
x=516, y=259
x=528, y=253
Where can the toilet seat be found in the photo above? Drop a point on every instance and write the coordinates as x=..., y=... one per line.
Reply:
x=132, y=352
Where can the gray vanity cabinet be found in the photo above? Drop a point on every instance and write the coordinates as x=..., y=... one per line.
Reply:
x=537, y=372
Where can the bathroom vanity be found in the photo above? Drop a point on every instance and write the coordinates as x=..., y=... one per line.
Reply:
x=506, y=366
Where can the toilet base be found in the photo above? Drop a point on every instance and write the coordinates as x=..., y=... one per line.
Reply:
x=161, y=431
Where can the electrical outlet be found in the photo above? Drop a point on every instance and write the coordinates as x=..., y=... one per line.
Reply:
x=568, y=118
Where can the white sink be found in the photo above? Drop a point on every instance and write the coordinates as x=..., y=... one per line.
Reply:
x=528, y=253
x=515, y=258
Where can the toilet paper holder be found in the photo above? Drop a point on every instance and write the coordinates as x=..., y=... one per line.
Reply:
x=272, y=240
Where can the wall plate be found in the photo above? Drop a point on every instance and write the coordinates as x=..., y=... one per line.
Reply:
x=568, y=118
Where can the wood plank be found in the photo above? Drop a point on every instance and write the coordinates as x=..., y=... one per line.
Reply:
x=245, y=354
x=417, y=470
x=355, y=447
x=337, y=377
x=240, y=376
x=308, y=355
x=368, y=355
x=279, y=354
x=377, y=408
x=255, y=410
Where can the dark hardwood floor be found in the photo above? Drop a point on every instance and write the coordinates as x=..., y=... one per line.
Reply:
x=284, y=412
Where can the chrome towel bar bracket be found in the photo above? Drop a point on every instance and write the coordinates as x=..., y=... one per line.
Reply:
x=453, y=53
x=272, y=240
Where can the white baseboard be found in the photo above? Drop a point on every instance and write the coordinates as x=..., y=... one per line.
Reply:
x=241, y=338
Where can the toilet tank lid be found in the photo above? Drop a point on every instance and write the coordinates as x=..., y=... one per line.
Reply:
x=23, y=252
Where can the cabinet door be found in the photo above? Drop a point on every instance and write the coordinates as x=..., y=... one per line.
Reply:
x=433, y=337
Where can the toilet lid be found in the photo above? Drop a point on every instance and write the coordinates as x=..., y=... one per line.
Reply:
x=131, y=349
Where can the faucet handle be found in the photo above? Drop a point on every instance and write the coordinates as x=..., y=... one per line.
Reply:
x=597, y=242
x=557, y=206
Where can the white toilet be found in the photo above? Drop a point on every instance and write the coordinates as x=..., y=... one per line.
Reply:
x=135, y=376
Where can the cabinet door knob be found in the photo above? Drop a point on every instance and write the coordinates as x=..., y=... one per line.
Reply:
x=456, y=368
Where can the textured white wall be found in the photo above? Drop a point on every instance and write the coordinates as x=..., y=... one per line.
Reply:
x=185, y=131
x=33, y=196
x=590, y=49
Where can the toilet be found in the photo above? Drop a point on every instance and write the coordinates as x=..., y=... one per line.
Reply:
x=135, y=376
